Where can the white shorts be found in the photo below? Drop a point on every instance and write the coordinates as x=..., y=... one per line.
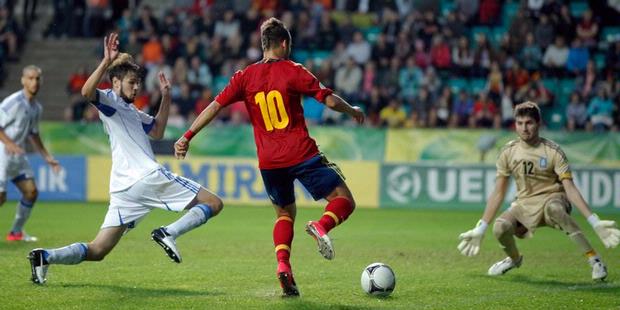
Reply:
x=161, y=189
x=15, y=169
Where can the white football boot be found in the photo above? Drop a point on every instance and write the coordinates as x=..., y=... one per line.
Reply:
x=165, y=240
x=599, y=270
x=504, y=266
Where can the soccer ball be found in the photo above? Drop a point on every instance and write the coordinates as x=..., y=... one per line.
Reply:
x=378, y=279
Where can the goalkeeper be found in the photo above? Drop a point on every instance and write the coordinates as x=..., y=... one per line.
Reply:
x=545, y=192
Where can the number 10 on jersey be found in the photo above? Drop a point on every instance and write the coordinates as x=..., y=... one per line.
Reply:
x=272, y=109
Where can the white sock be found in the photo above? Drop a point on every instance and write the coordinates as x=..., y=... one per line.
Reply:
x=24, y=208
x=195, y=217
x=69, y=255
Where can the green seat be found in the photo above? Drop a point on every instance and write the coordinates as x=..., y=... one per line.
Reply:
x=457, y=84
x=300, y=56
x=371, y=34
x=478, y=30
x=578, y=7
x=446, y=6
x=557, y=118
x=477, y=85
x=320, y=55
x=509, y=10
x=610, y=34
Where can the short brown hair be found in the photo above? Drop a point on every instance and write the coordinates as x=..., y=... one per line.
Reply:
x=528, y=108
x=122, y=65
x=272, y=32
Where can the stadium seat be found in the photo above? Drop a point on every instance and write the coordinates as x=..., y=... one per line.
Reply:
x=509, y=10
x=477, y=85
x=457, y=84
x=599, y=60
x=555, y=117
x=477, y=30
x=319, y=56
x=610, y=34
x=578, y=7
x=567, y=86
x=446, y=6
x=371, y=34
x=300, y=56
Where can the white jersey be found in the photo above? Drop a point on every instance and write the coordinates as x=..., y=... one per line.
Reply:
x=127, y=127
x=19, y=118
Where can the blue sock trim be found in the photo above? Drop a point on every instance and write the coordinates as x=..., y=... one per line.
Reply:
x=45, y=255
x=206, y=210
x=26, y=204
x=84, y=249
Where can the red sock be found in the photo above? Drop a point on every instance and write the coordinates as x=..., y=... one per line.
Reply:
x=336, y=212
x=283, y=238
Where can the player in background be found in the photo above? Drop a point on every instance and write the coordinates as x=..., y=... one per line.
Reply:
x=20, y=114
x=545, y=192
x=138, y=184
x=272, y=90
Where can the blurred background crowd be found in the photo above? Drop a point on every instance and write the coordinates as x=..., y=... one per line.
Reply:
x=407, y=63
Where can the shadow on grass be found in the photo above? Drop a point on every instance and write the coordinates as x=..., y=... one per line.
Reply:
x=141, y=291
x=300, y=303
x=606, y=287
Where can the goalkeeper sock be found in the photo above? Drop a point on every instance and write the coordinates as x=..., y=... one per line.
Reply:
x=283, y=238
x=581, y=242
x=196, y=216
x=24, y=208
x=69, y=255
x=336, y=212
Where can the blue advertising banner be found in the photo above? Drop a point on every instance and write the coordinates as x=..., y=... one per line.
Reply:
x=67, y=185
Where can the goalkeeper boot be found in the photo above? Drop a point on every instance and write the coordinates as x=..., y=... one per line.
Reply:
x=166, y=241
x=38, y=266
x=599, y=270
x=21, y=236
x=287, y=282
x=317, y=232
x=504, y=266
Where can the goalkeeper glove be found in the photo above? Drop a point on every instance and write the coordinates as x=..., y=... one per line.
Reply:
x=471, y=239
x=606, y=230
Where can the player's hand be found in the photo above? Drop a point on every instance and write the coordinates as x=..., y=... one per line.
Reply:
x=164, y=84
x=181, y=147
x=13, y=149
x=471, y=239
x=358, y=115
x=606, y=230
x=110, y=47
x=56, y=167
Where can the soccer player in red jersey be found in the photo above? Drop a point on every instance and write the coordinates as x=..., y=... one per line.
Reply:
x=272, y=90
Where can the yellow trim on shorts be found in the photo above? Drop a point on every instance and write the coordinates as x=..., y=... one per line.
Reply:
x=283, y=247
x=332, y=215
x=284, y=218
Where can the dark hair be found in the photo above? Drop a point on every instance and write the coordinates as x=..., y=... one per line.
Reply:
x=123, y=65
x=272, y=32
x=528, y=108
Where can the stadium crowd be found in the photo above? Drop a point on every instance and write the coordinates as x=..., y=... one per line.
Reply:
x=433, y=64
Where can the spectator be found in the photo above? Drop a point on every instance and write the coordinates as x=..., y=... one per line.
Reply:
x=517, y=77
x=440, y=53
x=393, y=115
x=175, y=119
x=462, y=57
x=600, y=111
x=483, y=56
x=462, y=109
x=410, y=78
x=507, y=108
x=94, y=18
x=8, y=34
x=469, y=9
x=485, y=113
x=544, y=32
x=612, y=58
x=489, y=11
x=565, y=25
x=152, y=51
x=578, y=57
x=440, y=115
x=313, y=110
x=146, y=24
x=531, y=54
x=421, y=110
x=327, y=32
x=555, y=57
x=588, y=79
x=576, y=113
x=359, y=50
x=421, y=56
x=348, y=80
x=228, y=27
x=382, y=51
x=495, y=82
x=199, y=75
x=587, y=30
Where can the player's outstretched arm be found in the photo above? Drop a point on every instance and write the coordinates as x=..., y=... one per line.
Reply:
x=182, y=145
x=35, y=139
x=336, y=103
x=110, y=52
x=471, y=239
x=161, y=119
x=606, y=230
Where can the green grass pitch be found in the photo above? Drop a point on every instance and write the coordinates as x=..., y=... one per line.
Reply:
x=229, y=264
